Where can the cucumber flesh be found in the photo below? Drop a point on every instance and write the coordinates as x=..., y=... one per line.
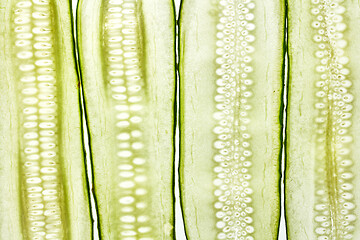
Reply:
x=128, y=67
x=323, y=131
x=42, y=173
x=231, y=68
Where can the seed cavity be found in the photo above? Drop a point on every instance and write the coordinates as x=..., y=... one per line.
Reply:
x=334, y=205
x=33, y=30
x=233, y=144
x=125, y=85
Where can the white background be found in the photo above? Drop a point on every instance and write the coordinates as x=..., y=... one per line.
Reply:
x=180, y=234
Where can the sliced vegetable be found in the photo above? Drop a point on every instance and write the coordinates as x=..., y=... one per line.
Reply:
x=128, y=67
x=323, y=131
x=231, y=69
x=42, y=173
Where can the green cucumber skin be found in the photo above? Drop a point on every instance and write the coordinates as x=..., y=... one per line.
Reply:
x=285, y=144
x=192, y=229
x=164, y=221
x=77, y=218
x=180, y=118
x=175, y=114
x=93, y=211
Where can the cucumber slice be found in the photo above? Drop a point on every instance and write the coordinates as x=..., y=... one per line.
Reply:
x=323, y=131
x=128, y=67
x=231, y=117
x=42, y=173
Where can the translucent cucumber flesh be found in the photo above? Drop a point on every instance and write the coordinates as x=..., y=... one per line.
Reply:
x=326, y=110
x=130, y=80
x=40, y=162
x=230, y=118
x=42, y=171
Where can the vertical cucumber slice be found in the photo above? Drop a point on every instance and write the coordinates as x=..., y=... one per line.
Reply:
x=231, y=68
x=128, y=68
x=42, y=173
x=323, y=129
